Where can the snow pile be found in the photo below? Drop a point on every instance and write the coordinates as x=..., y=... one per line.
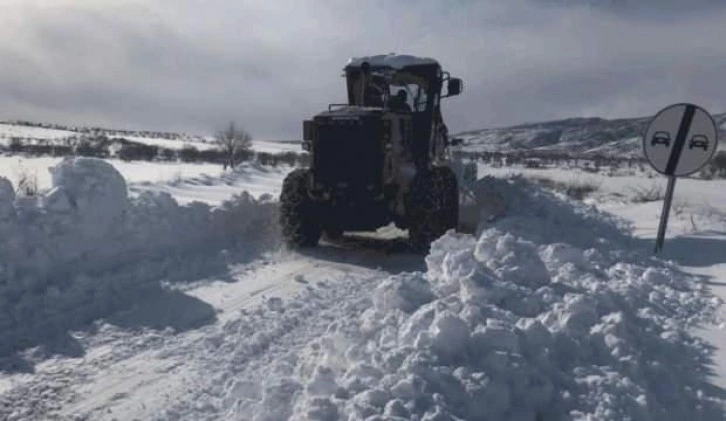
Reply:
x=58, y=248
x=500, y=328
x=520, y=207
x=516, y=325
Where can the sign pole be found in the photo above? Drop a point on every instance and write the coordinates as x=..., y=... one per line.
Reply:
x=665, y=213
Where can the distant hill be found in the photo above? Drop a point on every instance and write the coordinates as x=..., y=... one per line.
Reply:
x=33, y=133
x=580, y=136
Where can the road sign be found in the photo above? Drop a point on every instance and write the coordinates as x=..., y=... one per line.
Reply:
x=679, y=141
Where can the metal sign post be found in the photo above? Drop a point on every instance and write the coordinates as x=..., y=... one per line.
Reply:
x=679, y=141
x=664, y=214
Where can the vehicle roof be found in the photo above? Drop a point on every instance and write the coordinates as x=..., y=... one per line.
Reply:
x=394, y=61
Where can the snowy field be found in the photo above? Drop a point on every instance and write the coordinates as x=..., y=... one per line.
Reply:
x=34, y=134
x=181, y=180
x=15, y=167
x=152, y=306
x=257, y=180
x=277, y=146
x=698, y=205
x=168, y=143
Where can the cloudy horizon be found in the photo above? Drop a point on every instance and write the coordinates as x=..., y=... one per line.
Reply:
x=192, y=65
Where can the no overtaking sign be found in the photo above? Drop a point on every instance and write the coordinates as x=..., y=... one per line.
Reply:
x=680, y=140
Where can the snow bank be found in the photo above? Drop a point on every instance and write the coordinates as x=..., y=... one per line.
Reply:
x=520, y=207
x=547, y=319
x=59, y=249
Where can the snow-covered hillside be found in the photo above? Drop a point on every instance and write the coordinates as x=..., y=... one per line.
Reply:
x=139, y=307
x=582, y=136
x=9, y=131
x=49, y=134
x=36, y=133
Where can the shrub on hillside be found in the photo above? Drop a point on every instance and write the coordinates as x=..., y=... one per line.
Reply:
x=16, y=145
x=244, y=155
x=266, y=158
x=719, y=164
x=643, y=194
x=37, y=150
x=289, y=158
x=61, y=150
x=86, y=147
x=303, y=160
x=167, y=154
x=189, y=154
x=137, y=152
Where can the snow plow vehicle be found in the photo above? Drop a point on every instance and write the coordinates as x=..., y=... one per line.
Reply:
x=380, y=158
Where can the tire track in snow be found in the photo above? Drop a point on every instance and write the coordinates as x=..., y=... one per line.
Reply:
x=259, y=350
x=113, y=370
x=133, y=376
x=166, y=371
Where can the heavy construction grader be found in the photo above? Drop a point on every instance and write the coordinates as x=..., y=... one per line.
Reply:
x=380, y=158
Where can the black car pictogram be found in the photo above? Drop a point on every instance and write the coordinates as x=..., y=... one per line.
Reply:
x=698, y=141
x=661, y=138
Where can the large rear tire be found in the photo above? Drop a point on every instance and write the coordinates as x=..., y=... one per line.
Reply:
x=298, y=216
x=433, y=207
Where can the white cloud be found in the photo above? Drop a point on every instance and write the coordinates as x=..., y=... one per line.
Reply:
x=193, y=64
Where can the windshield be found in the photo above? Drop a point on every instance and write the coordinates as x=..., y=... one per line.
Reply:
x=415, y=95
x=387, y=89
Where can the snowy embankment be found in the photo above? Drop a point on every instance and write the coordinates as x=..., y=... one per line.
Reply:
x=551, y=312
x=85, y=248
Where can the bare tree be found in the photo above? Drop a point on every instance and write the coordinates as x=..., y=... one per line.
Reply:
x=233, y=140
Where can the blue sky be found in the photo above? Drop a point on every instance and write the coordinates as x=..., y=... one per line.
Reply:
x=192, y=65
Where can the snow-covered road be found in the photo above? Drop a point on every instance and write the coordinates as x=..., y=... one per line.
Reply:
x=225, y=327
x=552, y=311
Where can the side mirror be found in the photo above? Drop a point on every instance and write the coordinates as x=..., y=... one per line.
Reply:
x=454, y=87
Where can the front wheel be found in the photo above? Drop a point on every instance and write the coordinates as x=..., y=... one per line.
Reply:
x=298, y=216
x=433, y=207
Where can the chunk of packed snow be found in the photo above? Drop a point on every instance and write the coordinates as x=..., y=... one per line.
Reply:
x=95, y=190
